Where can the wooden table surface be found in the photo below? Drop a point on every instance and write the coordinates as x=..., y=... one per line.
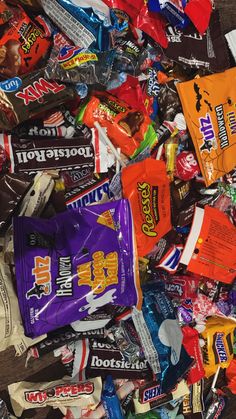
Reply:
x=13, y=369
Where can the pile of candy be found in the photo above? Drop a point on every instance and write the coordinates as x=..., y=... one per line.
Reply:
x=118, y=205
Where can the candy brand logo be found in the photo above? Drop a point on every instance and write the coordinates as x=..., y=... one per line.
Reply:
x=55, y=153
x=174, y=289
x=131, y=47
x=232, y=122
x=97, y=362
x=39, y=88
x=149, y=226
x=153, y=87
x=11, y=85
x=42, y=275
x=206, y=128
x=71, y=57
x=220, y=347
x=153, y=393
x=111, y=107
x=99, y=273
x=89, y=197
x=64, y=392
x=222, y=133
x=65, y=279
x=31, y=39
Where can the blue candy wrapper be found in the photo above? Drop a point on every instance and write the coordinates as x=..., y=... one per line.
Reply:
x=173, y=10
x=85, y=26
x=110, y=400
x=166, y=335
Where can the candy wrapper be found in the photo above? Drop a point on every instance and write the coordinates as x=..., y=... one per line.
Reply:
x=146, y=186
x=218, y=348
x=68, y=275
x=166, y=336
x=78, y=65
x=110, y=400
x=24, y=98
x=22, y=45
x=89, y=22
x=25, y=395
x=208, y=104
x=210, y=249
x=126, y=127
x=12, y=332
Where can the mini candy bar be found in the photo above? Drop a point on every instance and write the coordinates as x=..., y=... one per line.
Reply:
x=218, y=348
x=81, y=65
x=110, y=400
x=88, y=193
x=22, y=45
x=151, y=396
x=146, y=186
x=94, y=359
x=127, y=127
x=25, y=395
x=38, y=154
x=26, y=97
x=67, y=275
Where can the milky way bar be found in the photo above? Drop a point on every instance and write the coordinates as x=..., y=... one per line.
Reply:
x=46, y=154
x=24, y=98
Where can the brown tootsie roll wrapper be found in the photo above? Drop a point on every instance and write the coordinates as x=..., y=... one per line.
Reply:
x=25, y=395
x=31, y=95
x=31, y=156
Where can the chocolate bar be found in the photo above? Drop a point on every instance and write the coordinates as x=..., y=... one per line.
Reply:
x=43, y=154
x=24, y=98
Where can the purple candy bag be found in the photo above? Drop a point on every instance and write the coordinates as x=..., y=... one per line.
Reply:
x=71, y=265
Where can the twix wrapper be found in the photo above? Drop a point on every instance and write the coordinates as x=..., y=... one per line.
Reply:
x=24, y=98
x=209, y=105
x=25, y=395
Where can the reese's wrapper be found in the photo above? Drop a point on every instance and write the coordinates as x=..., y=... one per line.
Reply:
x=127, y=127
x=37, y=154
x=210, y=249
x=218, y=349
x=67, y=273
x=209, y=107
x=146, y=185
x=22, y=98
x=25, y=395
x=22, y=44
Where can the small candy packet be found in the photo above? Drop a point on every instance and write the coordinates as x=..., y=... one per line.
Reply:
x=218, y=338
x=67, y=274
x=146, y=185
x=25, y=395
x=81, y=65
x=127, y=127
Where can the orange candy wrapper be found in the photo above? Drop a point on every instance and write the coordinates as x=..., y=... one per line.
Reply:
x=210, y=249
x=209, y=105
x=146, y=185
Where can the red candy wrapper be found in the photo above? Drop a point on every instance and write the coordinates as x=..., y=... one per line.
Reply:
x=186, y=166
x=191, y=344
